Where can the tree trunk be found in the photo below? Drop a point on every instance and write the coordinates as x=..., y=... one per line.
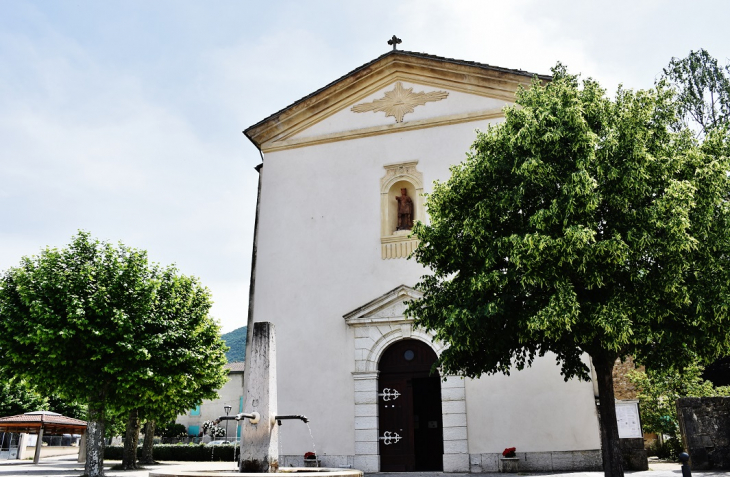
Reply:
x=131, y=439
x=149, y=439
x=94, y=466
x=610, y=448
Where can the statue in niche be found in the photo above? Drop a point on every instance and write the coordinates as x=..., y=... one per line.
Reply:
x=405, y=211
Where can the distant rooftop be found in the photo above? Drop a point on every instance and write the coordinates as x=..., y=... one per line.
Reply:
x=52, y=423
x=236, y=367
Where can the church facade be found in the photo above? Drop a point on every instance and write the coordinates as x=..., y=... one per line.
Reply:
x=343, y=178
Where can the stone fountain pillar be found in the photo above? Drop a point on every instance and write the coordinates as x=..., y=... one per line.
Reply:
x=259, y=441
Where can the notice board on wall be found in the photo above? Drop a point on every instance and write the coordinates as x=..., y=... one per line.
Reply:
x=627, y=417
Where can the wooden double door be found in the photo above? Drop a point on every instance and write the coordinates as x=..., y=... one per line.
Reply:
x=409, y=404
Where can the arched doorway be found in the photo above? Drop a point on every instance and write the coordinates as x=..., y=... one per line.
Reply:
x=409, y=405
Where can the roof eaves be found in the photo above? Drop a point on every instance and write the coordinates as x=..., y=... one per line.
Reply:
x=390, y=53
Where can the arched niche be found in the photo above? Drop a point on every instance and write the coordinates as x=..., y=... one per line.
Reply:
x=399, y=243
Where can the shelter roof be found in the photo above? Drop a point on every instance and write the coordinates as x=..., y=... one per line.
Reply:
x=51, y=422
x=235, y=367
x=475, y=77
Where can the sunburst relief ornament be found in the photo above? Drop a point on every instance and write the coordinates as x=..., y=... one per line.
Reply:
x=399, y=102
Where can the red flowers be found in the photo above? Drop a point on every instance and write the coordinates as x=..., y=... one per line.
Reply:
x=509, y=452
x=310, y=456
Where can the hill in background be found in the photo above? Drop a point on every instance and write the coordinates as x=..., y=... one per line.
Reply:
x=236, y=340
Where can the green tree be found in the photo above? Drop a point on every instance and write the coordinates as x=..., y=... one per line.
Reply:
x=659, y=391
x=77, y=320
x=580, y=226
x=17, y=397
x=171, y=430
x=178, y=335
x=703, y=89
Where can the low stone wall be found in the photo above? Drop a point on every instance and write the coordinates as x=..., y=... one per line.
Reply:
x=50, y=451
x=541, y=461
x=634, y=454
x=481, y=463
x=705, y=426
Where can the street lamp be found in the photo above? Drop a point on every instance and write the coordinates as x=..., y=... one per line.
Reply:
x=227, y=408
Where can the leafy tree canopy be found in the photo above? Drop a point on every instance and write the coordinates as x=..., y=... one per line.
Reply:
x=581, y=224
x=98, y=324
x=703, y=89
x=659, y=391
x=17, y=397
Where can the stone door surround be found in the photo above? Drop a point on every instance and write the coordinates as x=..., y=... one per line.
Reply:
x=377, y=325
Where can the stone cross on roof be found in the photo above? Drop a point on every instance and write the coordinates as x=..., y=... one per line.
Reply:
x=395, y=41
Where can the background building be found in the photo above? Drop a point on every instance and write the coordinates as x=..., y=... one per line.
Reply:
x=231, y=394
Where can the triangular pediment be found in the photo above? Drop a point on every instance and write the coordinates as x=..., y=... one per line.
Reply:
x=397, y=92
x=387, y=308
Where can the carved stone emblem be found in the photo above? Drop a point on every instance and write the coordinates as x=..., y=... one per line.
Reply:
x=399, y=102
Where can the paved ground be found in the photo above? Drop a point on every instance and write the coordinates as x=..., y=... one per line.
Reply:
x=68, y=467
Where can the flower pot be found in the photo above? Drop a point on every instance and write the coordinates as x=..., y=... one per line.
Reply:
x=311, y=462
x=509, y=465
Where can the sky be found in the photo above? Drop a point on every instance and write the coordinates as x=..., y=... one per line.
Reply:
x=124, y=118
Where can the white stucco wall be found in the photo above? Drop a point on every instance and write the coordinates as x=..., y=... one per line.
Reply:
x=319, y=258
x=230, y=394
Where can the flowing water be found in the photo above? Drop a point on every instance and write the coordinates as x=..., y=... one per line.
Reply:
x=237, y=443
x=314, y=447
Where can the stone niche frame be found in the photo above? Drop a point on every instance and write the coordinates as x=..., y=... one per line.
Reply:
x=377, y=325
x=399, y=244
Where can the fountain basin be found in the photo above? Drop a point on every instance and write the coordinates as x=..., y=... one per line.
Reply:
x=300, y=471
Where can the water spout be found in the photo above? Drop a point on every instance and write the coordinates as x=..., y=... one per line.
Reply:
x=304, y=419
x=252, y=417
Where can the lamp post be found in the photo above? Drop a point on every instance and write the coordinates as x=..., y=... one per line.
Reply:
x=227, y=408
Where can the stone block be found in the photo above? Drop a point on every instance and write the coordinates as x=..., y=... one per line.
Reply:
x=366, y=397
x=453, y=407
x=453, y=394
x=367, y=463
x=366, y=410
x=455, y=447
x=337, y=461
x=452, y=382
x=455, y=434
x=366, y=435
x=456, y=462
x=589, y=460
x=562, y=461
x=536, y=462
x=362, y=448
x=366, y=422
x=366, y=385
x=475, y=459
x=490, y=462
x=705, y=426
x=634, y=455
x=509, y=465
x=454, y=420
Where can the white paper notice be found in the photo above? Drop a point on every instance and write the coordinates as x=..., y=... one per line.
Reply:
x=627, y=416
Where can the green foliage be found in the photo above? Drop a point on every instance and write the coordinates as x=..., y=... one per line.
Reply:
x=236, y=341
x=703, y=89
x=17, y=397
x=99, y=325
x=68, y=408
x=579, y=225
x=183, y=452
x=171, y=430
x=669, y=449
x=659, y=391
